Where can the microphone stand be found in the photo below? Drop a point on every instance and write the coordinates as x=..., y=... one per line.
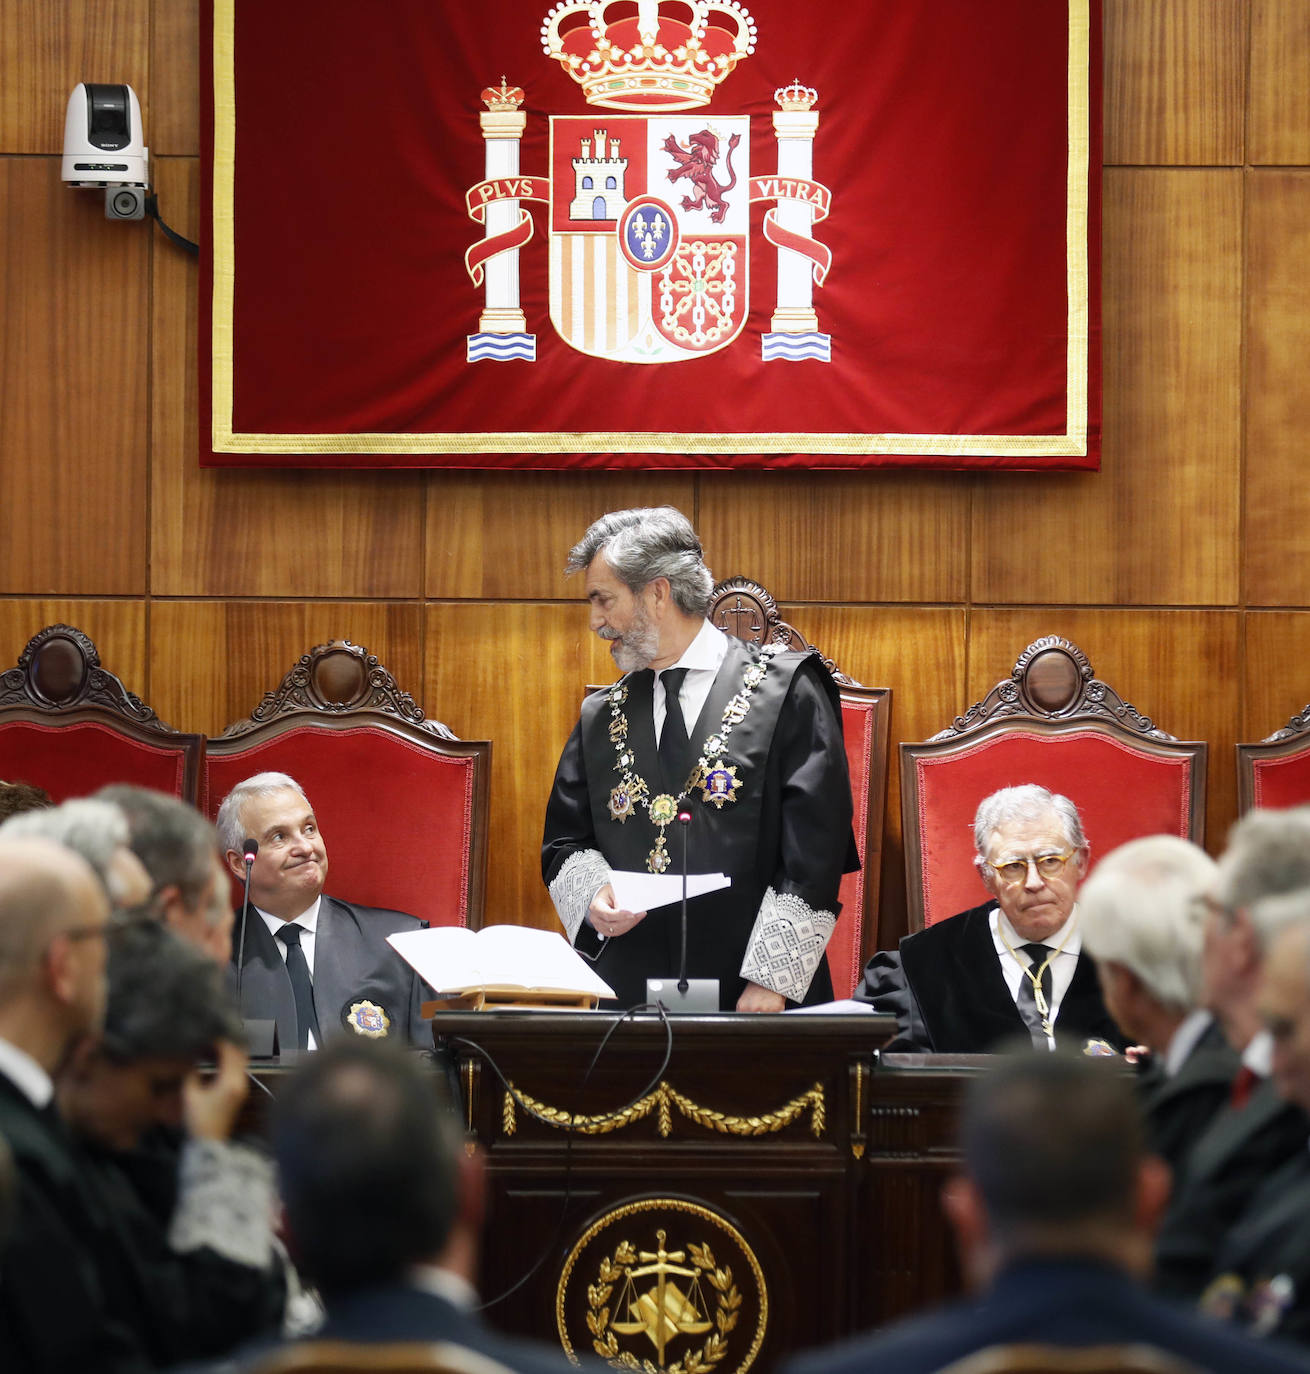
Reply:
x=684, y=820
x=261, y=1034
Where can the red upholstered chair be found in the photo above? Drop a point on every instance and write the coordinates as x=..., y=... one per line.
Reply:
x=743, y=608
x=1050, y=722
x=1276, y=772
x=71, y=726
x=401, y=802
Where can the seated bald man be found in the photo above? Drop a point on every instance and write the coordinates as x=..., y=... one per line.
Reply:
x=315, y=964
x=1014, y=964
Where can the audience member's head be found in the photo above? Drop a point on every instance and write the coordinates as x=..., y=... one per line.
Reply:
x=179, y=849
x=54, y=919
x=1268, y=855
x=372, y=1175
x=17, y=797
x=168, y=1008
x=1031, y=855
x=1142, y=919
x=1054, y=1165
x=97, y=830
x=290, y=869
x=1285, y=992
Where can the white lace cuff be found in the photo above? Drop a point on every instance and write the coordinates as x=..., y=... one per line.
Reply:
x=786, y=944
x=581, y=876
x=225, y=1203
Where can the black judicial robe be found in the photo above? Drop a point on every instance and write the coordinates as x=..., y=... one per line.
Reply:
x=789, y=829
x=945, y=988
x=351, y=959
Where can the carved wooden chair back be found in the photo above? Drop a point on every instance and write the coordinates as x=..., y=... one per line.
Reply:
x=1276, y=772
x=1056, y=1359
x=71, y=726
x=1053, y=723
x=400, y=1357
x=401, y=802
x=745, y=609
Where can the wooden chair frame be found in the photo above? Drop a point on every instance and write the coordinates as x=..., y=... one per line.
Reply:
x=60, y=681
x=340, y=686
x=1051, y=692
x=1293, y=738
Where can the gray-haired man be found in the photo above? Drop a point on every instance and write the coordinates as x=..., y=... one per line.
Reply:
x=310, y=959
x=744, y=740
x=1014, y=963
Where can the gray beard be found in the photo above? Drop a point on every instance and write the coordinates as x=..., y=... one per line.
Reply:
x=636, y=649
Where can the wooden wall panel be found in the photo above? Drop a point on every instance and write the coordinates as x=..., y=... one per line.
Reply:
x=1159, y=524
x=506, y=536
x=513, y=674
x=174, y=128
x=48, y=46
x=829, y=537
x=1175, y=81
x=74, y=370
x=919, y=653
x=233, y=532
x=212, y=661
x=117, y=628
x=1181, y=668
x=1276, y=672
x=1278, y=400
x=1278, y=129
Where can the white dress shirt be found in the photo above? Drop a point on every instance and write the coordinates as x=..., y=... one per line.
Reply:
x=1183, y=1041
x=702, y=659
x=1063, y=965
x=308, y=923
x=26, y=1075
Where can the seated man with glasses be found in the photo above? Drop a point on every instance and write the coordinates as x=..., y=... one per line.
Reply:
x=1013, y=964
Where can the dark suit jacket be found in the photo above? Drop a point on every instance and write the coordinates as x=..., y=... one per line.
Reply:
x=1177, y=1110
x=946, y=989
x=1219, y=1176
x=398, y=1312
x=1067, y=1302
x=54, y=1310
x=351, y=960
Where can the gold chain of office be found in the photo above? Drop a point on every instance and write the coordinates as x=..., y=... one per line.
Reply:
x=662, y=1101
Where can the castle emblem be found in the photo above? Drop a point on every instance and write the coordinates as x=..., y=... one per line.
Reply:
x=649, y=208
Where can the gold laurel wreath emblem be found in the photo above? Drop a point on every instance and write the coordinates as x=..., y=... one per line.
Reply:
x=606, y=1344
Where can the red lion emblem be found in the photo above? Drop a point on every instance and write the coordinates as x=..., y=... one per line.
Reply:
x=696, y=163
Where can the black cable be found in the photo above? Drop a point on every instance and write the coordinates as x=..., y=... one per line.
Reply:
x=152, y=209
x=571, y=1129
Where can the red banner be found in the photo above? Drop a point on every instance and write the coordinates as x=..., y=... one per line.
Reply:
x=630, y=235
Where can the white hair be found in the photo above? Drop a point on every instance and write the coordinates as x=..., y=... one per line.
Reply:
x=1028, y=802
x=1268, y=855
x=1142, y=909
x=94, y=829
x=1270, y=916
x=231, y=832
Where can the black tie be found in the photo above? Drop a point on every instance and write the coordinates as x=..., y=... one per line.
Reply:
x=302, y=986
x=673, y=738
x=1032, y=1018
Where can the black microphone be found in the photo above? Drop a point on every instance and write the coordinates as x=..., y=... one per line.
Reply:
x=248, y=851
x=684, y=820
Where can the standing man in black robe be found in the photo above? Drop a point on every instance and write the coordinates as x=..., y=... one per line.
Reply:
x=745, y=739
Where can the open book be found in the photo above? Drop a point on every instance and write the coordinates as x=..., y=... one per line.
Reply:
x=500, y=964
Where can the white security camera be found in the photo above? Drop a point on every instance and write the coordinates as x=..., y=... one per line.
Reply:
x=104, y=145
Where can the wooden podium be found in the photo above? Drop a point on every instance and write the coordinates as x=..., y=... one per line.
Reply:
x=772, y=1187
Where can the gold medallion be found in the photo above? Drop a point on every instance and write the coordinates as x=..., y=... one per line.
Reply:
x=622, y=804
x=720, y=785
x=369, y=1020
x=658, y=861
x=663, y=808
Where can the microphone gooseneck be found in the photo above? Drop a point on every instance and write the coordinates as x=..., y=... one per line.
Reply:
x=248, y=852
x=684, y=823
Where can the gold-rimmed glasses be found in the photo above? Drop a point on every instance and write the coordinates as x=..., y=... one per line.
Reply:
x=1014, y=871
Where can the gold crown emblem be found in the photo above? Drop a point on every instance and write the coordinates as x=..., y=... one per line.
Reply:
x=669, y=55
x=796, y=96
x=502, y=97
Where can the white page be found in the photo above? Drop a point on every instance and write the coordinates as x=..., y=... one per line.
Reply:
x=646, y=891
x=450, y=959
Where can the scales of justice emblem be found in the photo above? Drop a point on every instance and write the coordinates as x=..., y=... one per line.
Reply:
x=649, y=209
